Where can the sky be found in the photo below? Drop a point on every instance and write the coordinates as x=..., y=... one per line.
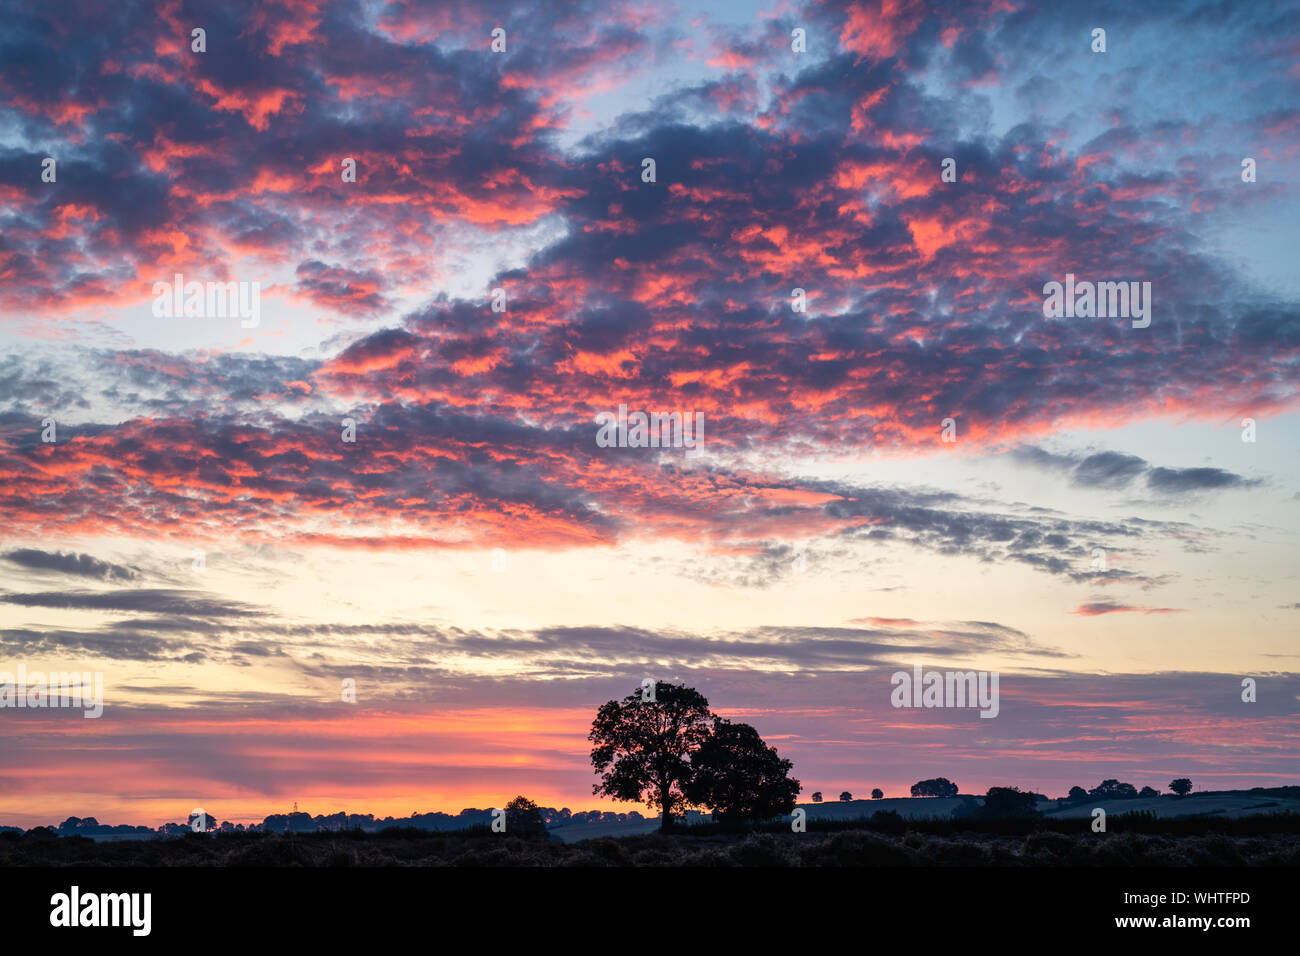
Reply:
x=917, y=468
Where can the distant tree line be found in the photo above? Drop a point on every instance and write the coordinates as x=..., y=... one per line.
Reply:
x=720, y=765
x=307, y=823
x=1113, y=789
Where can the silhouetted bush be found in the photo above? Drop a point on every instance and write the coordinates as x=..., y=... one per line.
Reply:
x=1005, y=803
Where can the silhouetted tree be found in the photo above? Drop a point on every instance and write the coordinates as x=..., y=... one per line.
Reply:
x=1148, y=792
x=523, y=818
x=739, y=777
x=1113, y=790
x=938, y=787
x=642, y=749
x=817, y=797
x=1007, y=803
x=846, y=796
x=878, y=794
x=1182, y=786
x=201, y=822
x=77, y=823
x=1077, y=795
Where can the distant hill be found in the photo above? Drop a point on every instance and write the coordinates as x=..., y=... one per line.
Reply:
x=1229, y=803
x=909, y=808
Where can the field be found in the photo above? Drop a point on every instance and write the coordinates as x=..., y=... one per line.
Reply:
x=1230, y=829
x=851, y=847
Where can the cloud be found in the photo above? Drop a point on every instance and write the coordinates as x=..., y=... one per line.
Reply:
x=344, y=290
x=1108, y=470
x=1111, y=469
x=108, y=643
x=1111, y=607
x=1041, y=458
x=67, y=562
x=1186, y=480
x=410, y=658
x=151, y=600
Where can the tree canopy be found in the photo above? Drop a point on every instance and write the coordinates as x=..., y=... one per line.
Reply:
x=642, y=748
x=1008, y=803
x=1113, y=790
x=524, y=818
x=936, y=787
x=739, y=777
x=666, y=748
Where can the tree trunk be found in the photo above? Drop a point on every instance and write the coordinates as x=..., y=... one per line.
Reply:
x=666, y=820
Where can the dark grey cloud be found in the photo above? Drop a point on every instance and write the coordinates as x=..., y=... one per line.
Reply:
x=1041, y=458
x=68, y=562
x=951, y=524
x=109, y=643
x=408, y=656
x=148, y=600
x=1112, y=469
x=1185, y=480
x=1108, y=469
